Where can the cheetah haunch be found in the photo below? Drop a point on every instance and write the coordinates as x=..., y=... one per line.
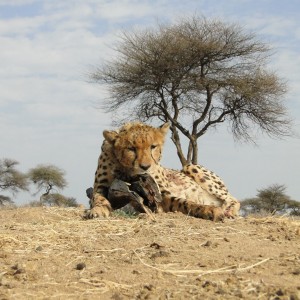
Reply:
x=136, y=149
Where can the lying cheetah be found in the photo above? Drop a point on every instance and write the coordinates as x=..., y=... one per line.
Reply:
x=136, y=149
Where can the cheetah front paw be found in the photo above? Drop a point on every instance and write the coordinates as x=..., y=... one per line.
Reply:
x=98, y=212
x=210, y=212
x=218, y=214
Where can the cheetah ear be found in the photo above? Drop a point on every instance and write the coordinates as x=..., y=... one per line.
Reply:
x=110, y=136
x=164, y=128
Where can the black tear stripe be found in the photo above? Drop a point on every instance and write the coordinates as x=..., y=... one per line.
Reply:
x=135, y=157
x=156, y=162
x=152, y=156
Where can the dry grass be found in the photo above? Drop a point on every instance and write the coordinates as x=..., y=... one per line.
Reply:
x=53, y=253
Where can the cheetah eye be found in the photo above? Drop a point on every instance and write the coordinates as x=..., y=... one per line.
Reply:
x=131, y=149
x=153, y=146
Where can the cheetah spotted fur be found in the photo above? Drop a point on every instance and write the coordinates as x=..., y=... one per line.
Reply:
x=136, y=149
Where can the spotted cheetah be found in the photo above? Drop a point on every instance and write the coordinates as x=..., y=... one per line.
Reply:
x=135, y=149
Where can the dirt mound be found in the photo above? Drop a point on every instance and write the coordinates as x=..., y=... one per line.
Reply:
x=50, y=253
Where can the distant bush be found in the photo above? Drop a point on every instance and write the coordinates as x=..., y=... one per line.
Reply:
x=11, y=179
x=271, y=200
x=5, y=200
x=56, y=199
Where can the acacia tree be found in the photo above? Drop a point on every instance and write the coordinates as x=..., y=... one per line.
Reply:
x=271, y=199
x=47, y=178
x=196, y=74
x=11, y=179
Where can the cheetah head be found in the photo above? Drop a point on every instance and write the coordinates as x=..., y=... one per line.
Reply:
x=137, y=146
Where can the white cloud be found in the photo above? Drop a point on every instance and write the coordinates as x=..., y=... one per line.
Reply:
x=271, y=25
x=20, y=26
x=118, y=10
x=17, y=2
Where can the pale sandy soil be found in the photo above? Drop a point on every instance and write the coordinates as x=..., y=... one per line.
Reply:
x=52, y=253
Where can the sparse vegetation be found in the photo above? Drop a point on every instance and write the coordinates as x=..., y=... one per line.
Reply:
x=271, y=200
x=47, y=178
x=52, y=251
x=11, y=179
x=5, y=200
x=57, y=199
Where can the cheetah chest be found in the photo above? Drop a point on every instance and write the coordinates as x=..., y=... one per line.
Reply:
x=182, y=186
x=179, y=185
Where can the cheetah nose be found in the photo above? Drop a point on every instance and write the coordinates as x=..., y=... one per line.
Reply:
x=145, y=167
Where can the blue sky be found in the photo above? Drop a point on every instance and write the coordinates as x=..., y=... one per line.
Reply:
x=49, y=111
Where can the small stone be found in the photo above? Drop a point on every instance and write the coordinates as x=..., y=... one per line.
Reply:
x=207, y=244
x=155, y=245
x=296, y=272
x=18, y=269
x=206, y=284
x=80, y=266
x=148, y=287
x=201, y=265
x=280, y=292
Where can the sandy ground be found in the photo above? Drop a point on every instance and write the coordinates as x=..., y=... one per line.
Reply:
x=52, y=253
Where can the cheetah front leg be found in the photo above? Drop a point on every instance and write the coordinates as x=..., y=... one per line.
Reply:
x=99, y=204
x=213, y=184
x=208, y=212
x=100, y=207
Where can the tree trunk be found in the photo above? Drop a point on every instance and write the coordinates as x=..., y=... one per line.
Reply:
x=42, y=197
x=190, y=152
x=176, y=140
x=48, y=189
x=195, y=153
x=192, y=155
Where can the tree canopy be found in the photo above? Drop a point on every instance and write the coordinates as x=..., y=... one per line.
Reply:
x=196, y=74
x=272, y=199
x=47, y=178
x=11, y=179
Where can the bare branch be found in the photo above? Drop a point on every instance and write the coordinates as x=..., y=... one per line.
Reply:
x=198, y=72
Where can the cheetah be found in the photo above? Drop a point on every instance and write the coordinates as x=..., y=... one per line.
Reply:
x=136, y=149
